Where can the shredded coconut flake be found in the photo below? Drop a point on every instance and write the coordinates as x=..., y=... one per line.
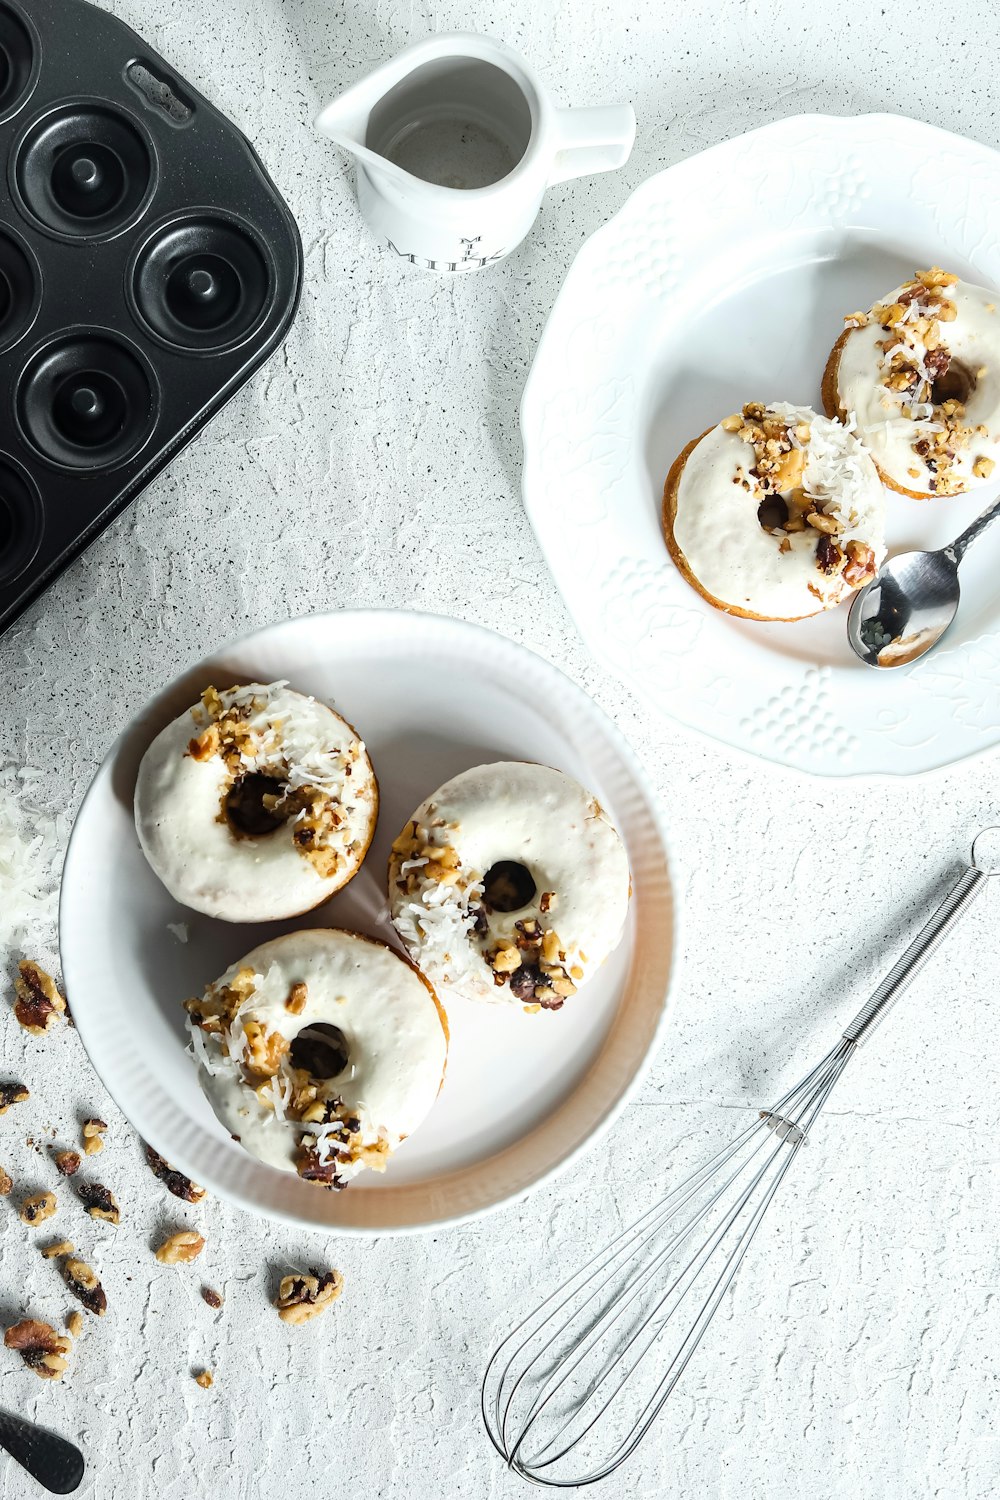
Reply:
x=29, y=859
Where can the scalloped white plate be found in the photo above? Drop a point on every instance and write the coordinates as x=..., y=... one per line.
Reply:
x=722, y=280
x=523, y=1094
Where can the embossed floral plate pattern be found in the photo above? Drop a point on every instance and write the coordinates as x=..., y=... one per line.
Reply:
x=725, y=279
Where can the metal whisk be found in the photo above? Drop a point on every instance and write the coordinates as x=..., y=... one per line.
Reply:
x=571, y=1392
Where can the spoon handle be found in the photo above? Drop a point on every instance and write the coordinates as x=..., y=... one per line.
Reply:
x=54, y=1462
x=962, y=543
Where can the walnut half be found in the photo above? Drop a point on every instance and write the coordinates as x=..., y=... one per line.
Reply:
x=177, y=1249
x=38, y=1207
x=174, y=1181
x=39, y=1003
x=303, y=1297
x=41, y=1348
x=11, y=1093
x=99, y=1201
x=83, y=1283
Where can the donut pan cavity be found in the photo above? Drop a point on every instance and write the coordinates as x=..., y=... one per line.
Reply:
x=148, y=266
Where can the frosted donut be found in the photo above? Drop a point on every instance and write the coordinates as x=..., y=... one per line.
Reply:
x=320, y=1052
x=510, y=883
x=920, y=374
x=775, y=514
x=256, y=804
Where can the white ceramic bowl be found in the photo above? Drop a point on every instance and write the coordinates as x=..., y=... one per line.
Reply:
x=524, y=1094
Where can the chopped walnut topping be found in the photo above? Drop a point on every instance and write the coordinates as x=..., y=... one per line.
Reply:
x=822, y=522
x=917, y=370
x=180, y=1248
x=983, y=467
x=39, y=1003
x=297, y=996
x=860, y=564
x=828, y=555
x=67, y=1162
x=41, y=1348
x=74, y=1323
x=174, y=1181
x=6, y=1183
x=58, y=1248
x=264, y=1049
x=535, y=965
x=214, y=1010
x=83, y=1283
x=38, y=1207
x=303, y=1297
x=548, y=901
x=204, y=1378
x=93, y=1136
x=12, y=1093
x=99, y=1201
x=211, y=1296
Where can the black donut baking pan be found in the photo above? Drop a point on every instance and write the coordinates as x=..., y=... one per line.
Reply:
x=148, y=266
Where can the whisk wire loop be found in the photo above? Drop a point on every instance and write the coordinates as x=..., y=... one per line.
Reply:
x=553, y=1396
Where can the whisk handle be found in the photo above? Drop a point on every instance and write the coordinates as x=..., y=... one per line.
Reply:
x=927, y=941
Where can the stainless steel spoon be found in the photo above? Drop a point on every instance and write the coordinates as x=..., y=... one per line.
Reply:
x=54, y=1462
x=910, y=603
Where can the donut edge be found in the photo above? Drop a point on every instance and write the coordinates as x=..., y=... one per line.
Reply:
x=669, y=514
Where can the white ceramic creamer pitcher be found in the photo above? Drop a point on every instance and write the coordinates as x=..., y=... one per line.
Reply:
x=455, y=142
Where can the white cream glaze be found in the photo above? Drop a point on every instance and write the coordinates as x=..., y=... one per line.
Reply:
x=200, y=860
x=883, y=418
x=396, y=1041
x=531, y=815
x=729, y=552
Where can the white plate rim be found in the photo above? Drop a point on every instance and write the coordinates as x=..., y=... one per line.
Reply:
x=654, y=807
x=841, y=129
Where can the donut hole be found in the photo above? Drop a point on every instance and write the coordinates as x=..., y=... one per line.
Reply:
x=508, y=886
x=956, y=384
x=772, y=513
x=254, y=805
x=321, y=1050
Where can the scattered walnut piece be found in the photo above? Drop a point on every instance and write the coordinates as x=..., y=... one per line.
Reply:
x=177, y=1249
x=93, y=1136
x=99, y=1201
x=211, y=1296
x=11, y=1093
x=83, y=1283
x=6, y=1183
x=59, y=1247
x=297, y=996
x=39, y=1003
x=982, y=468
x=67, y=1162
x=174, y=1181
x=74, y=1323
x=204, y=1378
x=303, y=1297
x=41, y=1348
x=38, y=1207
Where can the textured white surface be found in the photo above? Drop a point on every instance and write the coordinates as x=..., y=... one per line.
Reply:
x=377, y=461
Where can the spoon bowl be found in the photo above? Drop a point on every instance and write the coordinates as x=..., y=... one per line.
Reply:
x=910, y=603
x=906, y=609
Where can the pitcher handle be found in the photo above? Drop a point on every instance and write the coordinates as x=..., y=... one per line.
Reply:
x=592, y=140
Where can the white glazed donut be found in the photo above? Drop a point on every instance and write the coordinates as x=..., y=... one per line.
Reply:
x=510, y=883
x=322, y=1103
x=256, y=804
x=775, y=514
x=920, y=374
